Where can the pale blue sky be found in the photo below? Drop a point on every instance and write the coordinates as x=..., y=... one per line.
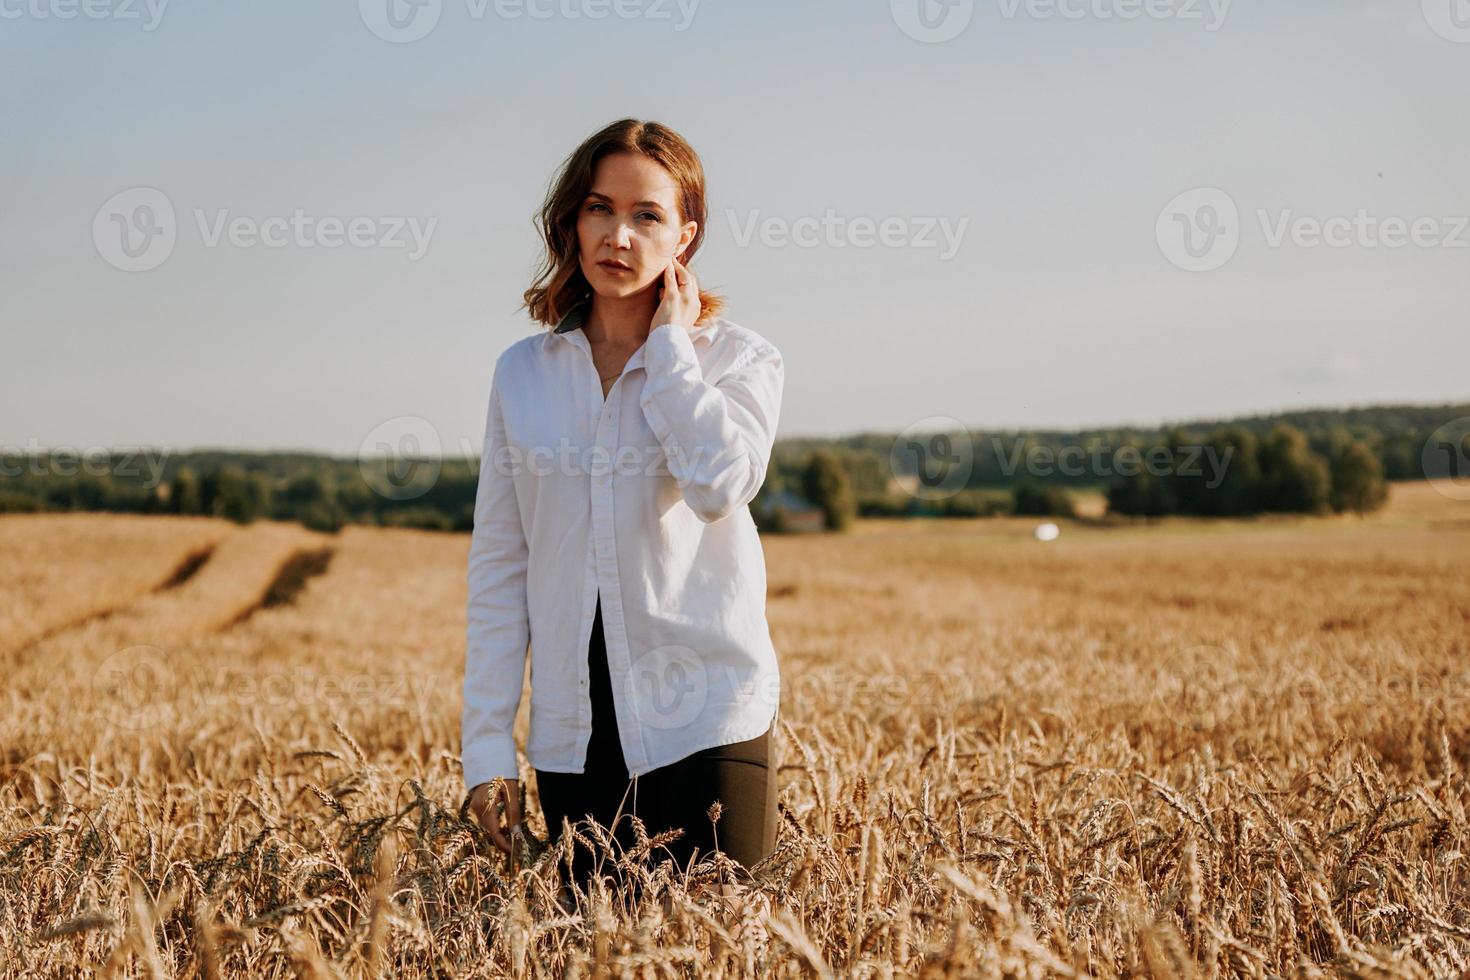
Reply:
x=1053, y=142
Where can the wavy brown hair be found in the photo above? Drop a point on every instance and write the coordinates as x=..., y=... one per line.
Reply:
x=560, y=285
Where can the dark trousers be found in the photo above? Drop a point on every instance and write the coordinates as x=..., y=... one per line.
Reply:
x=741, y=776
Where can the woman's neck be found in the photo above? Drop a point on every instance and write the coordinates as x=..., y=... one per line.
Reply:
x=621, y=321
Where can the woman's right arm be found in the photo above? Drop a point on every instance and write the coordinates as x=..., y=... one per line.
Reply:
x=497, y=619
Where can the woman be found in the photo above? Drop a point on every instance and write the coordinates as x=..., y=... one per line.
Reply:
x=611, y=528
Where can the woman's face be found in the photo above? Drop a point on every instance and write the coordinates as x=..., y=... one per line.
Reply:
x=628, y=228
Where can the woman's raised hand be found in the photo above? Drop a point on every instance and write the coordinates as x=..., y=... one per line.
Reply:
x=483, y=809
x=679, y=300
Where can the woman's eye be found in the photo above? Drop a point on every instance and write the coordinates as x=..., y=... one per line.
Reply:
x=644, y=214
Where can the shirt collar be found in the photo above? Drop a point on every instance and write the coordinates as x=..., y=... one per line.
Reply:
x=577, y=315
x=573, y=318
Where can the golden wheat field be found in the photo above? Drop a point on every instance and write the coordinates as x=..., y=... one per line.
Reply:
x=1179, y=749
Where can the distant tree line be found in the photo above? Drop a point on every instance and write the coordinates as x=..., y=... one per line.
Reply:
x=1028, y=472
x=1244, y=475
x=1297, y=461
x=824, y=481
x=1401, y=436
x=322, y=492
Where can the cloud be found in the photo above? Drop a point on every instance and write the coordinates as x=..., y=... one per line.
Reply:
x=1334, y=367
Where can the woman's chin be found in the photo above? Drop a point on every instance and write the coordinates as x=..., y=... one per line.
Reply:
x=617, y=288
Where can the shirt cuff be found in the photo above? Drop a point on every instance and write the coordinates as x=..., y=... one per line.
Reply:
x=669, y=343
x=485, y=761
x=669, y=355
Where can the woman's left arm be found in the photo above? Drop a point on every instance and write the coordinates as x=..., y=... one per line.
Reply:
x=717, y=437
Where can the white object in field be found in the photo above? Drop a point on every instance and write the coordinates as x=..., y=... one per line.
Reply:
x=1047, y=532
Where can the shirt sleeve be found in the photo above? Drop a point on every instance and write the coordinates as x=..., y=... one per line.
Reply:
x=717, y=437
x=497, y=619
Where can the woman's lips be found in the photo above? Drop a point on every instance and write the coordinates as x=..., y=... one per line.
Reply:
x=615, y=269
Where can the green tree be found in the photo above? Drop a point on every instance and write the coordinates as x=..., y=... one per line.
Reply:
x=1357, y=480
x=1032, y=499
x=768, y=517
x=83, y=492
x=1141, y=493
x=825, y=483
x=1236, y=450
x=1400, y=456
x=1186, y=483
x=1293, y=477
x=303, y=490
x=234, y=497
x=183, y=493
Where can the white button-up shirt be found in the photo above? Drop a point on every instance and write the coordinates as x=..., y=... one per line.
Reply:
x=640, y=499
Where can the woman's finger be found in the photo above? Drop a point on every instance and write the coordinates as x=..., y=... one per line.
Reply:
x=512, y=805
x=490, y=822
